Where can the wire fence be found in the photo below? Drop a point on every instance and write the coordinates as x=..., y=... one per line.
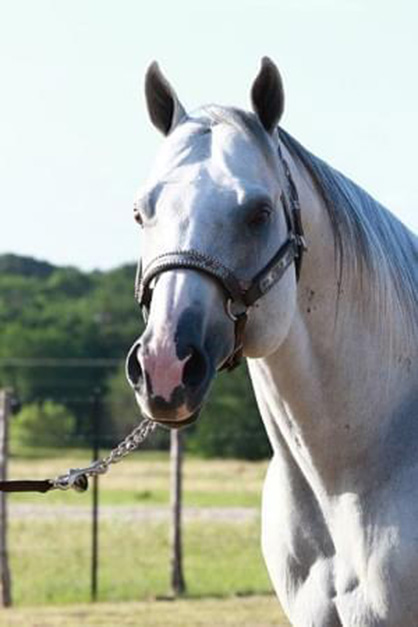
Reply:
x=34, y=423
x=116, y=541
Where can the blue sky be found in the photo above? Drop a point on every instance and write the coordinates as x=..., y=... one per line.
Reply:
x=75, y=137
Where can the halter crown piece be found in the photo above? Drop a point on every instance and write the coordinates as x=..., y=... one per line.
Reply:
x=241, y=295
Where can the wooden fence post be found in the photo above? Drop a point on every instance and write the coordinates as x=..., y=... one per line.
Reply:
x=178, y=585
x=5, y=585
x=95, y=497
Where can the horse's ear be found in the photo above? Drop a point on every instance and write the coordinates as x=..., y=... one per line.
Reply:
x=164, y=108
x=267, y=95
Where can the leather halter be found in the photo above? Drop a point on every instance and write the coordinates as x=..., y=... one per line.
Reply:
x=241, y=295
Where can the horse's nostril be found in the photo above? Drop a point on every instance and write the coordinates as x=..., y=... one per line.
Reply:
x=133, y=366
x=195, y=369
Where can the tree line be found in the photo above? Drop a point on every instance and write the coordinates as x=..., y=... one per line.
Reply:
x=62, y=313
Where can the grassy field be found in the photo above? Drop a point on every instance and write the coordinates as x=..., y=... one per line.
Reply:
x=229, y=612
x=143, y=479
x=50, y=557
x=50, y=560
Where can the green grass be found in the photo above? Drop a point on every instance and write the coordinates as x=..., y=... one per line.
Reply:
x=150, y=497
x=50, y=560
x=24, y=452
x=257, y=611
x=143, y=479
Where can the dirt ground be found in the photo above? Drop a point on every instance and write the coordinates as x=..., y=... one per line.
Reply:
x=131, y=512
x=256, y=611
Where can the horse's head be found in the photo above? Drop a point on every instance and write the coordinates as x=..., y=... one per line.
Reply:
x=213, y=216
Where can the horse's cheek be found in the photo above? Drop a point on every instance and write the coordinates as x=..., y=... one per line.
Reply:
x=270, y=319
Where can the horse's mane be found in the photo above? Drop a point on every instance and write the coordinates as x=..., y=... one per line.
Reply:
x=368, y=237
x=369, y=240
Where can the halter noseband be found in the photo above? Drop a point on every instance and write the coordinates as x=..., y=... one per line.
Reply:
x=241, y=295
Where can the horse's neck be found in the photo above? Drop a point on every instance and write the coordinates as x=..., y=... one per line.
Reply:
x=332, y=391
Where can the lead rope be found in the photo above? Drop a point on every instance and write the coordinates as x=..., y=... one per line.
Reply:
x=78, y=478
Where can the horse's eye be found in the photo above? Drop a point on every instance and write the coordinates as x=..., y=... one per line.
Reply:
x=260, y=217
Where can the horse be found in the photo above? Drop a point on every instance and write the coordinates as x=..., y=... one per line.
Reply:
x=253, y=246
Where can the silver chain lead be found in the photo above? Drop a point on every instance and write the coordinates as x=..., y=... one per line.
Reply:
x=77, y=478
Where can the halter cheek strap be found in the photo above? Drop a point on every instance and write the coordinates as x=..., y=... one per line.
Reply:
x=241, y=295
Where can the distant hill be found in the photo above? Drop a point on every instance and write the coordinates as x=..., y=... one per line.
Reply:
x=25, y=266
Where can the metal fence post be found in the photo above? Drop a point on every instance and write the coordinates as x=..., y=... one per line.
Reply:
x=5, y=583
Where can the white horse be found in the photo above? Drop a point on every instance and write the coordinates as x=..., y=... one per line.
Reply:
x=331, y=337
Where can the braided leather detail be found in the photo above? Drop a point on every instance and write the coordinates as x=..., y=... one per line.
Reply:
x=189, y=259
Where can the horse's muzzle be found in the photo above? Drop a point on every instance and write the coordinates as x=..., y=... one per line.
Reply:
x=169, y=389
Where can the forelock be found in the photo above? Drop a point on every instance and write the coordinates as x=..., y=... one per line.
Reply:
x=244, y=122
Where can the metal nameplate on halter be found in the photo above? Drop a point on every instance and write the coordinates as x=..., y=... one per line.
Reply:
x=276, y=272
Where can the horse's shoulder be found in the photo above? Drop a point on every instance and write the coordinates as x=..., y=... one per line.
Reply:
x=296, y=544
x=345, y=560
